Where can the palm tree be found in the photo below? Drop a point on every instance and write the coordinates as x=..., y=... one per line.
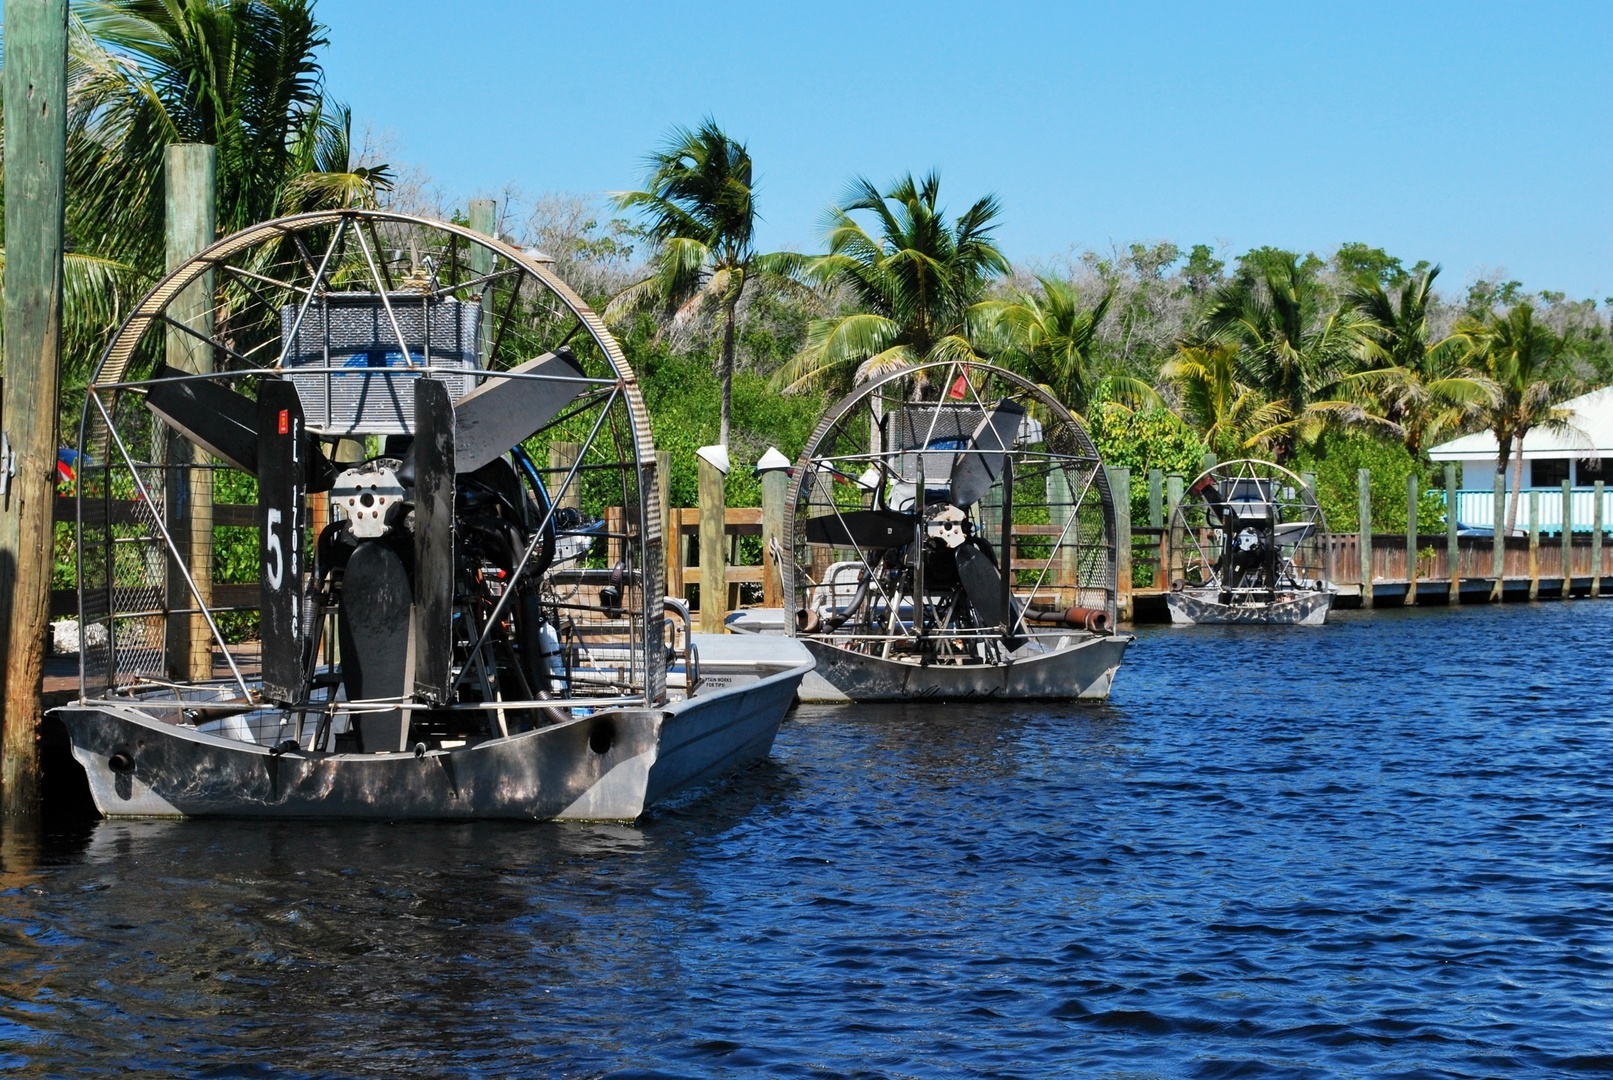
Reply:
x=910, y=287
x=242, y=75
x=1052, y=339
x=1292, y=350
x=1525, y=362
x=1231, y=417
x=143, y=74
x=700, y=207
x=1413, y=383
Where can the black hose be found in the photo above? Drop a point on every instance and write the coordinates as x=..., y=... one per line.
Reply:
x=857, y=600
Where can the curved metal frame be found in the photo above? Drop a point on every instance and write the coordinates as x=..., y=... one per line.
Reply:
x=1061, y=534
x=99, y=430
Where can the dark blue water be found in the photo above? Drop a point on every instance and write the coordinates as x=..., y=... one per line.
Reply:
x=1382, y=848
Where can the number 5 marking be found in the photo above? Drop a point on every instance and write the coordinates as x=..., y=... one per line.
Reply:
x=278, y=571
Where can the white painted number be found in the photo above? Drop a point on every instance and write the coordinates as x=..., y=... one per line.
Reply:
x=278, y=571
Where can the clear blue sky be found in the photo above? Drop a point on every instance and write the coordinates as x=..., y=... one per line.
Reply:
x=1471, y=134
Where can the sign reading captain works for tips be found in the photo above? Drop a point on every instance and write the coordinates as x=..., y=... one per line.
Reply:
x=282, y=489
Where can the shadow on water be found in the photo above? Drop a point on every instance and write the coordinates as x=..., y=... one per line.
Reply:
x=1376, y=848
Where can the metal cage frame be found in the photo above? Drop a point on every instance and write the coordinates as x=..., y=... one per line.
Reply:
x=966, y=388
x=182, y=308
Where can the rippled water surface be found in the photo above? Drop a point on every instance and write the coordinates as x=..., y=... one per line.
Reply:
x=1380, y=848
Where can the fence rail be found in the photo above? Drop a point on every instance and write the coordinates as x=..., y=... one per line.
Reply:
x=1475, y=509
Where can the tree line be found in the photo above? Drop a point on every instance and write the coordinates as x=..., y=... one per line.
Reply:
x=1165, y=351
x=1270, y=356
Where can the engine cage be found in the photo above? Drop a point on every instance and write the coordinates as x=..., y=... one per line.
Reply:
x=158, y=595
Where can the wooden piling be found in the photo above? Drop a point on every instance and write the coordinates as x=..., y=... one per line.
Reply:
x=1411, y=540
x=1061, y=510
x=1498, y=540
x=775, y=496
x=669, y=524
x=713, y=557
x=1534, y=545
x=1597, y=525
x=483, y=217
x=1363, y=492
x=35, y=92
x=1209, y=461
x=1156, y=498
x=1568, y=541
x=1453, y=548
x=190, y=172
x=1173, y=537
x=1120, y=489
x=562, y=456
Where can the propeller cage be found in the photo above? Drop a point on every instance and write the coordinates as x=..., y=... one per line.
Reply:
x=1014, y=526
x=350, y=478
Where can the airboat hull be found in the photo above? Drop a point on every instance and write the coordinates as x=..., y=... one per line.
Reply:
x=1298, y=609
x=1085, y=670
x=612, y=765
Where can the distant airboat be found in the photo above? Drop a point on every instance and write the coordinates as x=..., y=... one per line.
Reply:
x=1250, y=535
x=952, y=537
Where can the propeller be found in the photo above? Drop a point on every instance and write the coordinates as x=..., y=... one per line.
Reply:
x=977, y=469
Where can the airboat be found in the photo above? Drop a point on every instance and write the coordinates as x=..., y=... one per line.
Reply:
x=952, y=538
x=1249, y=540
x=455, y=551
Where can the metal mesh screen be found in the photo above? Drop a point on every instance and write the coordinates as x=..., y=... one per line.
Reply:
x=355, y=330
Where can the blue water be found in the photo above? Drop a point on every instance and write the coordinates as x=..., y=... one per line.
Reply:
x=1382, y=848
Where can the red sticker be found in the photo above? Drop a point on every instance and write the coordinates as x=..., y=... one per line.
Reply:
x=285, y=421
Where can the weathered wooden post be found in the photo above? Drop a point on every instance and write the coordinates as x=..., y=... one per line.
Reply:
x=1173, y=534
x=1568, y=541
x=1120, y=489
x=1324, y=541
x=1363, y=513
x=1411, y=540
x=1453, y=549
x=1498, y=540
x=35, y=91
x=1209, y=461
x=483, y=218
x=713, y=552
x=190, y=172
x=1156, y=498
x=775, y=496
x=562, y=456
x=669, y=524
x=1597, y=525
x=1060, y=509
x=1534, y=545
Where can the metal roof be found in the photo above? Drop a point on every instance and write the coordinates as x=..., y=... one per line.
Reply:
x=1590, y=436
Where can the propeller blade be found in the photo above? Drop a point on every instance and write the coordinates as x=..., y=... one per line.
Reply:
x=209, y=414
x=435, y=455
x=983, y=585
x=866, y=529
x=978, y=468
x=501, y=412
x=225, y=423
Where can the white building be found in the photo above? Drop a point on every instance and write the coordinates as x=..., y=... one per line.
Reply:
x=1582, y=454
